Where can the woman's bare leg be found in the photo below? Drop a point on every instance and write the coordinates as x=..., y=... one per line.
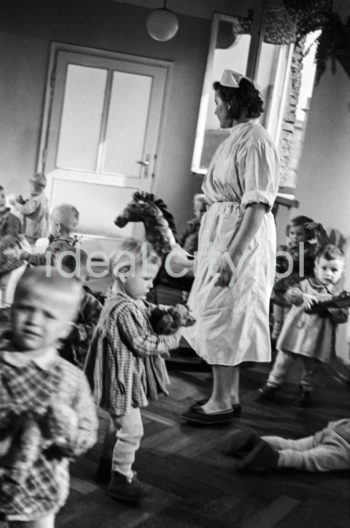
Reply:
x=235, y=386
x=224, y=380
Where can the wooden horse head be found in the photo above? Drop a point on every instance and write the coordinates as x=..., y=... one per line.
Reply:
x=158, y=221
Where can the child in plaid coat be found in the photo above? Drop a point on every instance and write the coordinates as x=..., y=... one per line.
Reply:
x=47, y=415
x=125, y=363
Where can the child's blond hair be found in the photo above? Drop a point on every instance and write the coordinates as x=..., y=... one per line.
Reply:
x=66, y=216
x=131, y=254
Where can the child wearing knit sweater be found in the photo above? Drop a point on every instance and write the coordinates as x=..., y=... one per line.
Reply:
x=326, y=450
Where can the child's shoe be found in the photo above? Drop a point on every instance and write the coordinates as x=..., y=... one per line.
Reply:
x=104, y=470
x=304, y=398
x=268, y=391
x=261, y=458
x=126, y=489
x=240, y=443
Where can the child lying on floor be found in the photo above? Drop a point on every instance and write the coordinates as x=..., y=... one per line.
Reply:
x=326, y=450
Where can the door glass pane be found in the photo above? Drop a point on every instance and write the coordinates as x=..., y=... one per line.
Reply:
x=127, y=123
x=81, y=118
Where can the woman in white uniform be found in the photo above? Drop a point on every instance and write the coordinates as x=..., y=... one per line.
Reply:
x=236, y=253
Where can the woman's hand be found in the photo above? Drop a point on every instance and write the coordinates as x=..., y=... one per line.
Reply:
x=225, y=270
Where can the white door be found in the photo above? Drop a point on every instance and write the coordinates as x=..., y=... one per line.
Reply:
x=102, y=135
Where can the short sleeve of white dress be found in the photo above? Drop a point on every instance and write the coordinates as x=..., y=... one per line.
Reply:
x=258, y=170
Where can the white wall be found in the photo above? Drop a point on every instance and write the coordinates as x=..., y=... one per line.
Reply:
x=323, y=186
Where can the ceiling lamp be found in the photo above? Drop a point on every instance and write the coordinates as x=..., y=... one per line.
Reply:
x=162, y=24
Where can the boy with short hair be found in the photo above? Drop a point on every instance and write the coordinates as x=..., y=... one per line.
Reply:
x=125, y=363
x=44, y=399
x=35, y=210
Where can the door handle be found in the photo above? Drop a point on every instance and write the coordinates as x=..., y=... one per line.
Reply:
x=145, y=163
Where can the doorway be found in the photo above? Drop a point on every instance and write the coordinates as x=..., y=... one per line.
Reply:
x=101, y=133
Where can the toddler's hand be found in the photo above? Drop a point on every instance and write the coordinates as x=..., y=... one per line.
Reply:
x=308, y=300
x=295, y=296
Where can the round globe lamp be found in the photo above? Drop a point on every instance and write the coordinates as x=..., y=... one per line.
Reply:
x=162, y=24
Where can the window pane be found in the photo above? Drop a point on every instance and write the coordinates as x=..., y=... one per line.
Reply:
x=231, y=52
x=127, y=122
x=81, y=118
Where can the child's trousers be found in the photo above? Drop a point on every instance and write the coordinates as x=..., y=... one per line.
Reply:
x=324, y=451
x=284, y=362
x=129, y=432
x=45, y=522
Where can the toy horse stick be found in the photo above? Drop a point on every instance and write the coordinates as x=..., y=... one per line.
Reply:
x=159, y=223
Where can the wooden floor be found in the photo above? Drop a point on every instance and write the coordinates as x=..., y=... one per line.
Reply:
x=193, y=485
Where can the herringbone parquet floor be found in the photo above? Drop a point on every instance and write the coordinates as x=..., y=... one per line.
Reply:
x=193, y=485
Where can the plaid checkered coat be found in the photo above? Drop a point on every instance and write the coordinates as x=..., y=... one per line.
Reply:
x=28, y=388
x=124, y=364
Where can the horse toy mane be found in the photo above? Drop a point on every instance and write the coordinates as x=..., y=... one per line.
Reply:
x=158, y=221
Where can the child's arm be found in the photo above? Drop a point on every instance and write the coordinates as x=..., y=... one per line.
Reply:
x=37, y=259
x=338, y=315
x=140, y=338
x=29, y=206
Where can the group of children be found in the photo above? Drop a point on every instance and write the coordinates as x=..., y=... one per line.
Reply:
x=48, y=402
x=309, y=271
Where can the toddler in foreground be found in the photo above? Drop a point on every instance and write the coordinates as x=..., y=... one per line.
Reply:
x=125, y=363
x=47, y=415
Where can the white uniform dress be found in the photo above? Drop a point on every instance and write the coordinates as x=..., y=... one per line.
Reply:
x=233, y=322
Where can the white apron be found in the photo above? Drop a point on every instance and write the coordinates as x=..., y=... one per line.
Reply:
x=232, y=323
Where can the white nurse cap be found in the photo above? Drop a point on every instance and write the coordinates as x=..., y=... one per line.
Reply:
x=231, y=79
